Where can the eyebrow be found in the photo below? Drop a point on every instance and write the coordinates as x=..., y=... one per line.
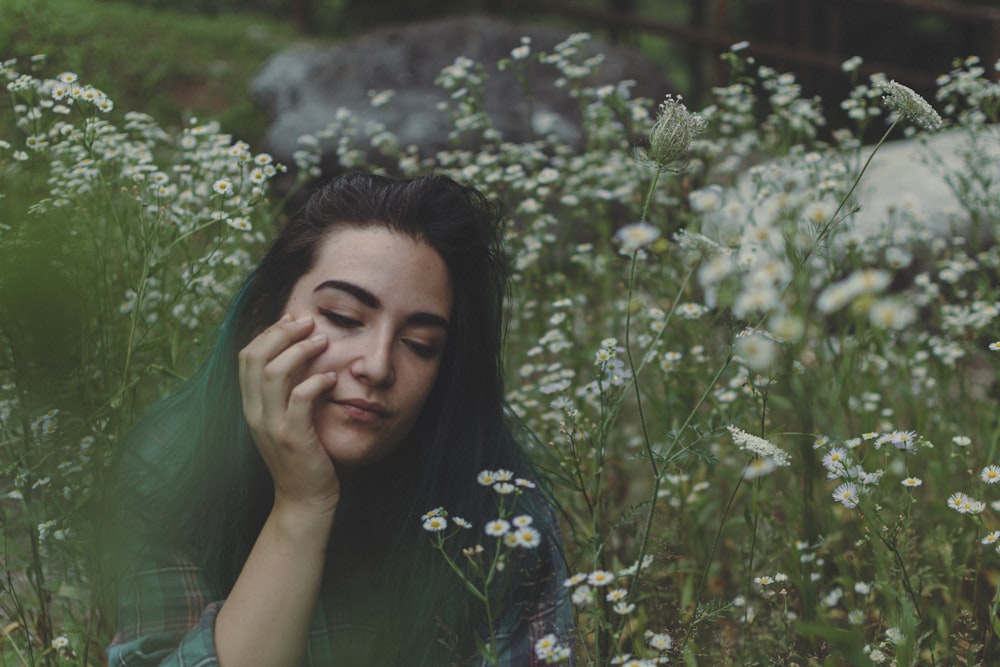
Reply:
x=371, y=301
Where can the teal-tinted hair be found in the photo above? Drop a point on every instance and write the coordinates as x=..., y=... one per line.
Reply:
x=191, y=477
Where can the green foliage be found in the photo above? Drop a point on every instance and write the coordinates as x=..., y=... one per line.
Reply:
x=166, y=63
x=768, y=428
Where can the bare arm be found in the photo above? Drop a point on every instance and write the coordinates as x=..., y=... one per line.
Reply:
x=266, y=617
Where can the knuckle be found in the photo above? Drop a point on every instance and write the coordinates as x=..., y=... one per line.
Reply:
x=270, y=373
x=301, y=392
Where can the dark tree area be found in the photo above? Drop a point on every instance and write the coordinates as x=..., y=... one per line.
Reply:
x=912, y=41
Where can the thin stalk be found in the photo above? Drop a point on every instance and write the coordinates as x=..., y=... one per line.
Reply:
x=828, y=227
x=753, y=550
x=711, y=557
x=649, y=193
x=894, y=550
x=657, y=472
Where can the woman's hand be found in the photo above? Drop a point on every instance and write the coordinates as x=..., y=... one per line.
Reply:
x=279, y=584
x=278, y=404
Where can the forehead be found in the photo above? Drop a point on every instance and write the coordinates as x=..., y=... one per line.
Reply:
x=398, y=269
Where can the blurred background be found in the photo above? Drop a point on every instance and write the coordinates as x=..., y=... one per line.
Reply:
x=181, y=58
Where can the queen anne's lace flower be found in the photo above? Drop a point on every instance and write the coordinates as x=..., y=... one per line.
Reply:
x=673, y=132
x=906, y=102
x=759, y=446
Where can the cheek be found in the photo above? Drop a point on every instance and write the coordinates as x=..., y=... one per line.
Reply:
x=331, y=359
x=419, y=388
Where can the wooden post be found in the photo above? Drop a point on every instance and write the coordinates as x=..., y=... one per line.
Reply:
x=302, y=15
x=695, y=51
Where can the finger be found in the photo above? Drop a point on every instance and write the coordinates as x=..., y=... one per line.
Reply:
x=272, y=341
x=282, y=372
x=262, y=349
x=304, y=396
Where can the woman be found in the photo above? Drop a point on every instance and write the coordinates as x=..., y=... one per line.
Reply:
x=356, y=384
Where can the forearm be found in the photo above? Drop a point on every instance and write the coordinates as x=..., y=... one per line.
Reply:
x=266, y=617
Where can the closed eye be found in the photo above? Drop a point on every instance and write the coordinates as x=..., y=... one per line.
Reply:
x=420, y=349
x=339, y=320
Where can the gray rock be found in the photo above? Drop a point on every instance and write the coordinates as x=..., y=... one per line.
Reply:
x=910, y=178
x=936, y=186
x=303, y=87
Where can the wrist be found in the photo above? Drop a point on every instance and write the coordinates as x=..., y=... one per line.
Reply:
x=303, y=522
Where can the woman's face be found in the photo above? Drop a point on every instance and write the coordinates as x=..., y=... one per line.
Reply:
x=383, y=300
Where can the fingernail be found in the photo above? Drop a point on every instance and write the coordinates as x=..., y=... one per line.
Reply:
x=331, y=374
x=303, y=320
x=286, y=317
x=318, y=338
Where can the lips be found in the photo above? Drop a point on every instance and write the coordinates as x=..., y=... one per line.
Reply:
x=362, y=409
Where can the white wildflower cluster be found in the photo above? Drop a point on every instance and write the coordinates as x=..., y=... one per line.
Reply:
x=882, y=652
x=896, y=313
x=759, y=447
x=967, y=90
x=906, y=440
x=203, y=185
x=557, y=380
x=657, y=643
x=517, y=531
x=464, y=81
x=843, y=461
x=576, y=63
x=860, y=283
x=503, y=481
x=909, y=104
x=756, y=348
x=586, y=586
x=549, y=649
x=791, y=114
x=636, y=236
x=847, y=494
x=965, y=504
x=862, y=105
x=435, y=520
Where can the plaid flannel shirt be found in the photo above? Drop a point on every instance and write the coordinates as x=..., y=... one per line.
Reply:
x=167, y=616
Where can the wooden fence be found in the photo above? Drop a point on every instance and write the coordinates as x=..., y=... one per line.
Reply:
x=810, y=37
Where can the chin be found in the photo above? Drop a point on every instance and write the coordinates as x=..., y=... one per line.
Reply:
x=355, y=455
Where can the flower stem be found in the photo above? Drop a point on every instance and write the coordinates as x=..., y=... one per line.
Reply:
x=832, y=222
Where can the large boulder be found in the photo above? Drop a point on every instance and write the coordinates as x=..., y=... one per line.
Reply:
x=934, y=186
x=305, y=86
x=915, y=181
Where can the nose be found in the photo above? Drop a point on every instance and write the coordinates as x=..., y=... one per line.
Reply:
x=374, y=364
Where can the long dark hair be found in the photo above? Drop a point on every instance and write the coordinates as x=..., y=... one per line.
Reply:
x=192, y=463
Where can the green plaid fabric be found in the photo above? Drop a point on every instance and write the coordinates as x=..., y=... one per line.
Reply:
x=167, y=615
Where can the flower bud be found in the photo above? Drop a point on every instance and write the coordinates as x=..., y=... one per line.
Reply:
x=674, y=130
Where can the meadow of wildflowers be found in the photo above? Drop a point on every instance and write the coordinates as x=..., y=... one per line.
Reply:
x=772, y=434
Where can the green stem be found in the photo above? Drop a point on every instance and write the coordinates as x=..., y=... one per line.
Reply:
x=649, y=193
x=828, y=227
x=750, y=557
x=658, y=479
x=711, y=557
